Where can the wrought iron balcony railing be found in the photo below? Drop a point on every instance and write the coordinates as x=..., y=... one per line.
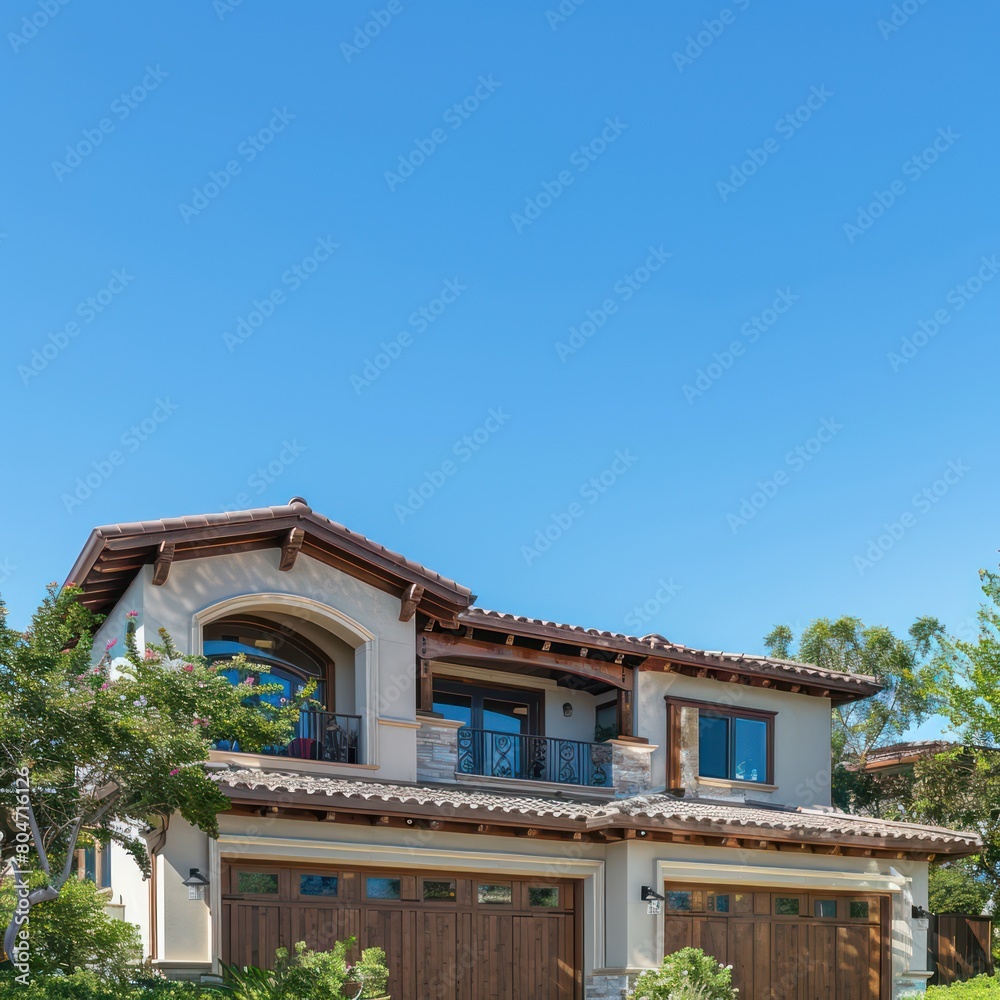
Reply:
x=533, y=758
x=329, y=736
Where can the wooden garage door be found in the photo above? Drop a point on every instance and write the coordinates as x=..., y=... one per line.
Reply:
x=445, y=935
x=786, y=945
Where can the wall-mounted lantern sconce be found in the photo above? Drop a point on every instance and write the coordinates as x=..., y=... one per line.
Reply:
x=648, y=893
x=919, y=913
x=567, y=709
x=196, y=884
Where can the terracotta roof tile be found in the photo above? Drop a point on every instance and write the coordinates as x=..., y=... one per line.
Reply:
x=655, y=644
x=815, y=824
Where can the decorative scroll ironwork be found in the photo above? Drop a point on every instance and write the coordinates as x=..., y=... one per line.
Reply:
x=533, y=758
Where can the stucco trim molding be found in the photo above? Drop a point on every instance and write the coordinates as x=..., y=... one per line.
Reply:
x=423, y=857
x=686, y=871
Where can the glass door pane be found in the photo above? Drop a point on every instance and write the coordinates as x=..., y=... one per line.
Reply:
x=456, y=707
x=505, y=751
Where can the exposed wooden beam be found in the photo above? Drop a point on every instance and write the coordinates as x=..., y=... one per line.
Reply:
x=329, y=816
x=380, y=820
x=408, y=604
x=439, y=646
x=483, y=828
x=164, y=559
x=509, y=641
x=425, y=694
x=833, y=849
x=546, y=646
x=290, y=548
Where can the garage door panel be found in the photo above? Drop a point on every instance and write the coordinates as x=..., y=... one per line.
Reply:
x=542, y=944
x=712, y=936
x=823, y=952
x=857, y=962
x=789, y=961
x=677, y=934
x=437, y=954
x=444, y=935
x=785, y=945
x=495, y=938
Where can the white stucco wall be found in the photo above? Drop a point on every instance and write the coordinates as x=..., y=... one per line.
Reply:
x=381, y=687
x=801, y=730
x=132, y=892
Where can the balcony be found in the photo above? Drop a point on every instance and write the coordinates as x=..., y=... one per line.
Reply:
x=534, y=758
x=327, y=736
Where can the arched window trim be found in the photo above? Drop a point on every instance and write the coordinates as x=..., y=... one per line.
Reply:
x=364, y=643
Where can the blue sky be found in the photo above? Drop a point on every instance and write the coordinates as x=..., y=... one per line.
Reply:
x=672, y=318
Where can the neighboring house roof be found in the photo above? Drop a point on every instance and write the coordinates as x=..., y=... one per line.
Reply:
x=651, y=813
x=898, y=754
x=115, y=553
x=849, y=685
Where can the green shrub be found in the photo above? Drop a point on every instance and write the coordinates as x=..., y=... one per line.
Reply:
x=374, y=972
x=980, y=988
x=73, y=931
x=310, y=975
x=88, y=985
x=688, y=974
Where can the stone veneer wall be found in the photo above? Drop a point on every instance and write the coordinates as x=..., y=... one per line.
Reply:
x=630, y=767
x=609, y=986
x=437, y=749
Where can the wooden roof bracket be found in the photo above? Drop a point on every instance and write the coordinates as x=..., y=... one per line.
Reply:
x=290, y=548
x=164, y=560
x=409, y=601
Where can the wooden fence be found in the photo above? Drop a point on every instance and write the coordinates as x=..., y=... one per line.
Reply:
x=959, y=947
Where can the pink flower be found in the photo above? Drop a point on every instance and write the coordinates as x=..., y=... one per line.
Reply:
x=105, y=686
x=150, y=655
x=250, y=681
x=131, y=614
x=188, y=668
x=97, y=670
x=110, y=643
x=176, y=770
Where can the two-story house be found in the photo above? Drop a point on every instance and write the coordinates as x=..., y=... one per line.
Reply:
x=512, y=808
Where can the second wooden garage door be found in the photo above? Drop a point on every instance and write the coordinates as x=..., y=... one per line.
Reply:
x=445, y=935
x=786, y=945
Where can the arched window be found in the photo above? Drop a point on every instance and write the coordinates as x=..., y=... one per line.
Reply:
x=280, y=655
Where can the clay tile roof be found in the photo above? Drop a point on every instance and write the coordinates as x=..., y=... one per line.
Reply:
x=859, y=685
x=646, y=811
x=439, y=797
x=114, y=553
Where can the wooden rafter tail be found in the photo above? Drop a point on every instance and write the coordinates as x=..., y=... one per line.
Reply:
x=164, y=560
x=410, y=600
x=290, y=548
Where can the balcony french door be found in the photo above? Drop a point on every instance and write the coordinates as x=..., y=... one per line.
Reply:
x=498, y=710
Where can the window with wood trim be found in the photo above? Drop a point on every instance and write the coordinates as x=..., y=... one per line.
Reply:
x=733, y=744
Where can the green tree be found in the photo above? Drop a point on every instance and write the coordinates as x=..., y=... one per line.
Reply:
x=74, y=931
x=103, y=748
x=907, y=669
x=958, y=887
